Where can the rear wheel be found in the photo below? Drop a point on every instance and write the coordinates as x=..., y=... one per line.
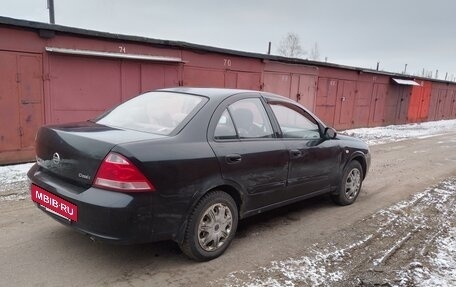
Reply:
x=350, y=184
x=211, y=227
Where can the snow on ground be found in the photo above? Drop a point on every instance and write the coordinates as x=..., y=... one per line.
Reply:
x=394, y=133
x=412, y=243
x=444, y=262
x=13, y=182
x=14, y=173
x=442, y=270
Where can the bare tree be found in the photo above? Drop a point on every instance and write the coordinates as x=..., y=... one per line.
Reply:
x=315, y=52
x=290, y=46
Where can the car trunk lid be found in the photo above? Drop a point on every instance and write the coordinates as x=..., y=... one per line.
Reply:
x=75, y=151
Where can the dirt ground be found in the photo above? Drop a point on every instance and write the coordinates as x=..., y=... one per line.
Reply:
x=376, y=241
x=403, y=245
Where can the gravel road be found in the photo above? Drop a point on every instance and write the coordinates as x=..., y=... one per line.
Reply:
x=378, y=234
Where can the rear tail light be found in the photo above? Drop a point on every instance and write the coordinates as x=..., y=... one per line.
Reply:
x=118, y=173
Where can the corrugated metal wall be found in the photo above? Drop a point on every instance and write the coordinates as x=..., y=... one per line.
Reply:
x=44, y=87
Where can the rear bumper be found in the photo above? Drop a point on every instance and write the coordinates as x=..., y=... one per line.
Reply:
x=123, y=218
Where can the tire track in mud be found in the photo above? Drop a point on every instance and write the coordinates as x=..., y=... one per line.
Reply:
x=393, y=247
x=398, y=250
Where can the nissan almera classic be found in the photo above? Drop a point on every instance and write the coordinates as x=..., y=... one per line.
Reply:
x=186, y=164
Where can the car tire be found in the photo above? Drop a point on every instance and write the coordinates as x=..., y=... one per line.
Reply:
x=350, y=184
x=210, y=227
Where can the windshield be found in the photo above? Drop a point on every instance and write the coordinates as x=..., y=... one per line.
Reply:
x=153, y=112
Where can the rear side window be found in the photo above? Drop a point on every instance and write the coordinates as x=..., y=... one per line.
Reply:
x=244, y=119
x=225, y=128
x=153, y=112
x=250, y=119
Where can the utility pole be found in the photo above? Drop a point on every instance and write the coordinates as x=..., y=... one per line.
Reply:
x=51, y=11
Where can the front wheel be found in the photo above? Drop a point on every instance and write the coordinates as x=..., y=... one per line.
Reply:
x=211, y=227
x=350, y=184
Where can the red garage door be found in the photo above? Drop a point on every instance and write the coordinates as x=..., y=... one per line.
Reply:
x=21, y=109
x=83, y=87
x=363, y=99
x=377, y=111
x=345, y=105
x=218, y=78
x=242, y=80
x=203, y=77
x=278, y=83
x=326, y=100
x=298, y=87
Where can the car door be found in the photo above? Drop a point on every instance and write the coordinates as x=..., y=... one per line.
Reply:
x=249, y=154
x=314, y=159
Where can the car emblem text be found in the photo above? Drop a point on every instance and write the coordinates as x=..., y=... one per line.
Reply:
x=84, y=176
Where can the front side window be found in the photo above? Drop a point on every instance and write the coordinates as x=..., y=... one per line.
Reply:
x=153, y=112
x=295, y=124
x=250, y=119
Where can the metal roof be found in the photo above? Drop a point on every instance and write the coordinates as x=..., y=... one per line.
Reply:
x=405, y=82
x=113, y=55
x=43, y=27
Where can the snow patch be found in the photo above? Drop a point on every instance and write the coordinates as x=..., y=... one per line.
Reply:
x=395, y=133
x=14, y=173
x=14, y=182
x=330, y=266
x=444, y=262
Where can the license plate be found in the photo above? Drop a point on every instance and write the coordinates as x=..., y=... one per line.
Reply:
x=54, y=203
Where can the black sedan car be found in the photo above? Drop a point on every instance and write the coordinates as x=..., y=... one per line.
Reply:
x=187, y=163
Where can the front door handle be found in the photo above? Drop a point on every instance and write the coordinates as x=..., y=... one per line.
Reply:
x=233, y=158
x=295, y=153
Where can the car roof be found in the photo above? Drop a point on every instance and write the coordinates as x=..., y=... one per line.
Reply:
x=220, y=93
x=208, y=92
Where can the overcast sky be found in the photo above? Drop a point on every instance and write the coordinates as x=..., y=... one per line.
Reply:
x=419, y=33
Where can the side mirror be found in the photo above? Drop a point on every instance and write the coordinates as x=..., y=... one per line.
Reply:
x=330, y=133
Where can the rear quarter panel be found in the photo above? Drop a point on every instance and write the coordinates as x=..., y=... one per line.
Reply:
x=180, y=171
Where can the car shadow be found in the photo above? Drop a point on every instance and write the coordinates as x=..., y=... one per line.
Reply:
x=143, y=254
x=284, y=215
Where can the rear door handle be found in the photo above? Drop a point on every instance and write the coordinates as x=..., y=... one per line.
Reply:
x=233, y=158
x=295, y=153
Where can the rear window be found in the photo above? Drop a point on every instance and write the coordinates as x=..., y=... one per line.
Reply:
x=153, y=112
